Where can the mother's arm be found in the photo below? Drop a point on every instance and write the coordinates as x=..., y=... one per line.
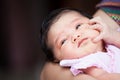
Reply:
x=52, y=71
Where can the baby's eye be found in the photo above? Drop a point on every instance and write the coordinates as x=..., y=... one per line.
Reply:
x=63, y=41
x=77, y=26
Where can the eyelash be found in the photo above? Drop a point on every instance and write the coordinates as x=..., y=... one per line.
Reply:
x=77, y=26
x=63, y=41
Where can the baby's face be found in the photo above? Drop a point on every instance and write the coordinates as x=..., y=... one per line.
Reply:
x=71, y=37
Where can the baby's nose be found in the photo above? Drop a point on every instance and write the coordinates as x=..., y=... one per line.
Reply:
x=75, y=37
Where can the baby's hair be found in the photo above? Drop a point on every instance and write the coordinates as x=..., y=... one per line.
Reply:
x=47, y=22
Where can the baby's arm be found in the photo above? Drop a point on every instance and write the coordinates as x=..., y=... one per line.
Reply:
x=110, y=34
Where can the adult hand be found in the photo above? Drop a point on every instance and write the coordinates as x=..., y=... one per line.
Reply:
x=107, y=33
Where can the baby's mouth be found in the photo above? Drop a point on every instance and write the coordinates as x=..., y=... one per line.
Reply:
x=81, y=41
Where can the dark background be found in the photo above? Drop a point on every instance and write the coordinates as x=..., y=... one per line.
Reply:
x=20, y=55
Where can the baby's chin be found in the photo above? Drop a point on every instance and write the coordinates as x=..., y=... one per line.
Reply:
x=95, y=46
x=84, y=43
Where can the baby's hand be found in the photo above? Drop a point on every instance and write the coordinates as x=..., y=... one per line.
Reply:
x=106, y=32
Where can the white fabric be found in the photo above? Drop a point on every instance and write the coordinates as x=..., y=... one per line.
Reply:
x=109, y=61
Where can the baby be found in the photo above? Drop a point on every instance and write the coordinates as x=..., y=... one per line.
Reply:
x=68, y=35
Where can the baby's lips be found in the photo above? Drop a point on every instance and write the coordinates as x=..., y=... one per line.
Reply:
x=79, y=43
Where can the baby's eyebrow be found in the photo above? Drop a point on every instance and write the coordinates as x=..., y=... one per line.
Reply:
x=58, y=37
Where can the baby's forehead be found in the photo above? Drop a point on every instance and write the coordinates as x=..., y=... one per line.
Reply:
x=66, y=13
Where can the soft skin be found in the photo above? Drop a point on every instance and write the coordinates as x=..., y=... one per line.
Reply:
x=71, y=37
x=59, y=73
